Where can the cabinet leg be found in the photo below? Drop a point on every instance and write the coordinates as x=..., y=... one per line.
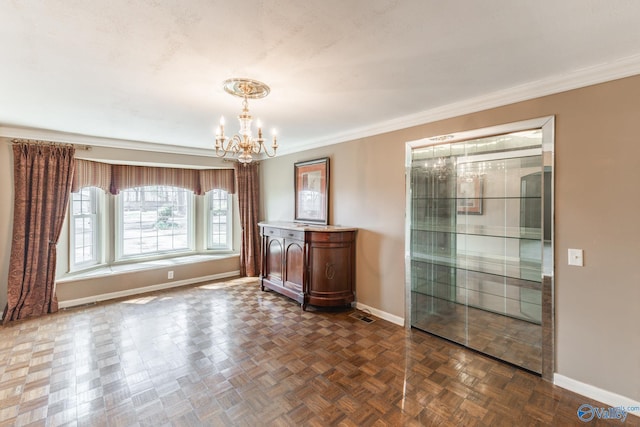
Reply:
x=303, y=306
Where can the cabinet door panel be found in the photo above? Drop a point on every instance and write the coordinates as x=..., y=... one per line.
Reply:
x=273, y=268
x=331, y=270
x=294, y=266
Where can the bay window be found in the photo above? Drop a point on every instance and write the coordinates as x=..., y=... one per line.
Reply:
x=126, y=213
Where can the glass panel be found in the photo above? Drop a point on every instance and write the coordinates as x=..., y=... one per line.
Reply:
x=477, y=244
x=85, y=229
x=218, y=217
x=155, y=220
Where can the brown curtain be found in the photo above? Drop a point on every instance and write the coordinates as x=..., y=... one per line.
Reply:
x=249, y=203
x=126, y=176
x=42, y=182
x=113, y=178
x=217, y=178
x=91, y=174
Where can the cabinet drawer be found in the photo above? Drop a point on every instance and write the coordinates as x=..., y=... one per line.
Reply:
x=283, y=232
x=272, y=232
x=343, y=236
x=292, y=234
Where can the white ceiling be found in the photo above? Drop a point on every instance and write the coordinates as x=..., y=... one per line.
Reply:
x=152, y=70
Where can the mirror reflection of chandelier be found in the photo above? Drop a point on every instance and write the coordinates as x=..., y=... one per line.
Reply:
x=442, y=168
x=470, y=172
x=243, y=144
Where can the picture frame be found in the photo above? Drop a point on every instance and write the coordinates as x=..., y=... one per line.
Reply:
x=311, y=187
x=469, y=195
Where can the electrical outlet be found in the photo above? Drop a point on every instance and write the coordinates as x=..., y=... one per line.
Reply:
x=170, y=275
x=576, y=257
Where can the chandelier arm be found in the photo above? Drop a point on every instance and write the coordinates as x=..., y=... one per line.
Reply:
x=220, y=153
x=256, y=146
x=220, y=147
x=232, y=146
x=266, y=150
x=235, y=143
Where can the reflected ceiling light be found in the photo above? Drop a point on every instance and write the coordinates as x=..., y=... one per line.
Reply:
x=443, y=168
x=243, y=144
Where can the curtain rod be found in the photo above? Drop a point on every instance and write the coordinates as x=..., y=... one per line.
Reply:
x=51, y=143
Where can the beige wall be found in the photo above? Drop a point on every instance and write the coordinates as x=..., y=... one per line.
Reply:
x=89, y=288
x=597, y=207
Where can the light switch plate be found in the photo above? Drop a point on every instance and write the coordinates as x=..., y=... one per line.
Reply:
x=575, y=257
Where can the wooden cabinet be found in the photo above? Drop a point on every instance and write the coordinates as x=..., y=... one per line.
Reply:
x=312, y=265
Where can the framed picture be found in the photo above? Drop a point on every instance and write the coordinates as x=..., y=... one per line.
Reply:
x=312, y=191
x=469, y=195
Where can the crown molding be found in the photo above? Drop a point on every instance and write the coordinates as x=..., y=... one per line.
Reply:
x=98, y=141
x=613, y=70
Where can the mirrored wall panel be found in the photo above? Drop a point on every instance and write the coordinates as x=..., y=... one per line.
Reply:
x=480, y=242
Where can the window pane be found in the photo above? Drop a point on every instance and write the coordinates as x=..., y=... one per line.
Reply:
x=219, y=216
x=155, y=220
x=84, y=224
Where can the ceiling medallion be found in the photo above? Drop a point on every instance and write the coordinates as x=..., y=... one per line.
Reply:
x=243, y=144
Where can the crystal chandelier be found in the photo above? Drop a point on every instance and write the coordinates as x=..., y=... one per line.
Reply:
x=243, y=144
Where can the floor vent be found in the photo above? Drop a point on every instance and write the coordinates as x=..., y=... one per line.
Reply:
x=361, y=316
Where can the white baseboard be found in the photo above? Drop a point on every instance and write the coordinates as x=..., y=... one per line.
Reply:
x=135, y=291
x=381, y=314
x=609, y=398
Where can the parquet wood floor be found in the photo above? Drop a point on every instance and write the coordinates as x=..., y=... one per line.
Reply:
x=227, y=354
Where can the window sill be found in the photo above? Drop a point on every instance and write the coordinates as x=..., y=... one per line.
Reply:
x=116, y=269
